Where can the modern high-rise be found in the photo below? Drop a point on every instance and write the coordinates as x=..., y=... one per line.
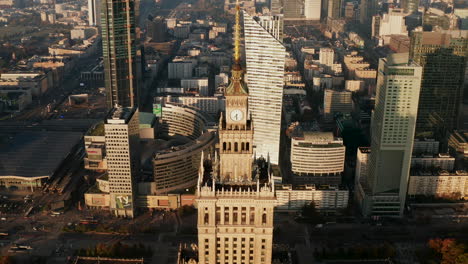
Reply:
x=443, y=56
x=312, y=9
x=334, y=8
x=393, y=126
x=94, y=12
x=119, y=52
x=121, y=130
x=265, y=56
x=410, y=6
x=236, y=200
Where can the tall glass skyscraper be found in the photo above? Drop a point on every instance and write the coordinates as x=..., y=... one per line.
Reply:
x=119, y=51
x=265, y=57
x=443, y=56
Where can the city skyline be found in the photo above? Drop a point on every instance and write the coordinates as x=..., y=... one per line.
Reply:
x=233, y=132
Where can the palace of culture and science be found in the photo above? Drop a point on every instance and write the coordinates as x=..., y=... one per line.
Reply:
x=235, y=196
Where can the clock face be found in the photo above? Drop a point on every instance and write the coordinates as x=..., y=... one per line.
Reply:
x=236, y=115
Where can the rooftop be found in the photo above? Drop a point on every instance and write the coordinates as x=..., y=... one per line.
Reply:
x=35, y=154
x=120, y=115
x=97, y=130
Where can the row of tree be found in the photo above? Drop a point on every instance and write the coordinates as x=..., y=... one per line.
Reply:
x=116, y=250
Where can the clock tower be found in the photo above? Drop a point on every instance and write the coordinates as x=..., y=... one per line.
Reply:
x=235, y=126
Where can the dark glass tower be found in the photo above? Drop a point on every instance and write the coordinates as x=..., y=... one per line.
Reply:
x=443, y=57
x=119, y=51
x=410, y=6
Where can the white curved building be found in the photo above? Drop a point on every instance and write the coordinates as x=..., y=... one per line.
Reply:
x=176, y=168
x=182, y=120
x=318, y=158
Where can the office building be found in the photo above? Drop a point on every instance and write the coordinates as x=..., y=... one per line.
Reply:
x=334, y=8
x=435, y=161
x=393, y=126
x=438, y=183
x=123, y=160
x=181, y=68
x=292, y=9
x=273, y=24
x=119, y=52
x=176, y=169
x=410, y=6
x=387, y=24
x=94, y=12
x=291, y=198
x=425, y=146
x=317, y=158
x=95, y=148
x=362, y=164
x=312, y=9
x=265, y=56
x=458, y=142
x=443, y=57
x=326, y=59
x=235, y=206
x=336, y=102
x=156, y=29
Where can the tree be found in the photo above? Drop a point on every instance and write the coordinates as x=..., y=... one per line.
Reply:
x=448, y=251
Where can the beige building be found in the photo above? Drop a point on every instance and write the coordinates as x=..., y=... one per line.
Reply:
x=95, y=148
x=236, y=132
x=235, y=207
x=354, y=62
x=178, y=119
x=294, y=197
x=440, y=183
x=458, y=141
x=362, y=163
x=177, y=168
x=394, y=121
x=39, y=82
x=336, y=102
x=317, y=158
x=354, y=85
x=122, y=140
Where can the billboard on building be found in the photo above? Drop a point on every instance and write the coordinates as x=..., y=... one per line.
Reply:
x=157, y=110
x=123, y=201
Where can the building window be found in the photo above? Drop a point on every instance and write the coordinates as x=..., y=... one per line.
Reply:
x=206, y=218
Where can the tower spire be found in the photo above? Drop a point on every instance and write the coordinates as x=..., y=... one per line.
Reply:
x=237, y=35
x=237, y=85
